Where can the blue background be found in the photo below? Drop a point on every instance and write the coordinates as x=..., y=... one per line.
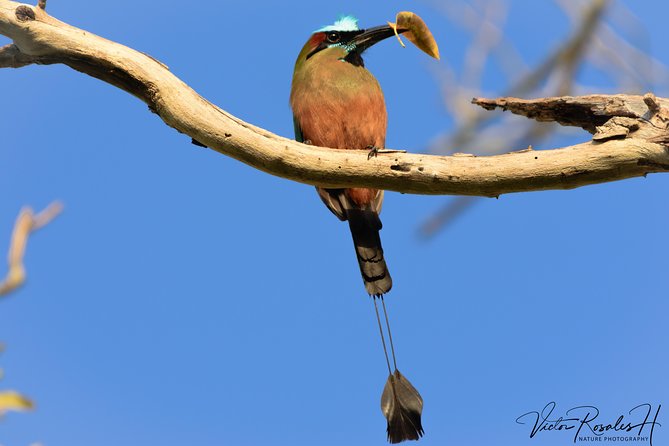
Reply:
x=186, y=298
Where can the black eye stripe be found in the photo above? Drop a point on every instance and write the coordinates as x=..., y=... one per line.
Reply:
x=348, y=35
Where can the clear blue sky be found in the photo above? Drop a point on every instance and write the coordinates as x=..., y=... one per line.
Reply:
x=186, y=298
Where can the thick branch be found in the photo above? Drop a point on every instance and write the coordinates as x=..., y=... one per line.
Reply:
x=41, y=39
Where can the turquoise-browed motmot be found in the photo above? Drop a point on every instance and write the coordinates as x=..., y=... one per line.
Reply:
x=338, y=103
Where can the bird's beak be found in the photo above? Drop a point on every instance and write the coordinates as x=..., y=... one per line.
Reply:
x=370, y=36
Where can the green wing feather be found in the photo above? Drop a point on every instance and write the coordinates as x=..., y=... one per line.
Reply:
x=298, y=131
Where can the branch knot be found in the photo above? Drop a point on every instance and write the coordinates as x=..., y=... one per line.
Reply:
x=25, y=13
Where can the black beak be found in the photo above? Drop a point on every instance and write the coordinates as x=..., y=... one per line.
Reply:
x=370, y=36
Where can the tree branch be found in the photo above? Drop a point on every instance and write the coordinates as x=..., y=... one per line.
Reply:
x=41, y=39
x=26, y=223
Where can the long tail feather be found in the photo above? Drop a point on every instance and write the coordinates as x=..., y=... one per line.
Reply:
x=402, y=406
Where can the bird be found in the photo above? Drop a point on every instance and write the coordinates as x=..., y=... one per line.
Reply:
x=338, y=103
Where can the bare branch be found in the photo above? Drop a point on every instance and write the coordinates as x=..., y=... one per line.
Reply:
x=49, y=41
x=446, y=214
x=11, y=57
x=587, y=112
x=26, y=223
x=562, y=61
x=593, y=41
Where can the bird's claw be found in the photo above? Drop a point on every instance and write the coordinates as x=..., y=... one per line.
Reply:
x=374, y=151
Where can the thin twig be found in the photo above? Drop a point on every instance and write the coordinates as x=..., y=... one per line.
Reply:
x=26, y=223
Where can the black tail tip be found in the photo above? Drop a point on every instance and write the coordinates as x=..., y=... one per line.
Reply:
x=404, y=427
x=402, y=406
x=398, y=434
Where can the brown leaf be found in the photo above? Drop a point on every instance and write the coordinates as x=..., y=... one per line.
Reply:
x=415, y=29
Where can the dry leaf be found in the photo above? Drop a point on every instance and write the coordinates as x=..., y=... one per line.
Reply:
x=10, y=400
x=416, y=31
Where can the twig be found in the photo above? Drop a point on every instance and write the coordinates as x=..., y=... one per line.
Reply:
x=26, y=223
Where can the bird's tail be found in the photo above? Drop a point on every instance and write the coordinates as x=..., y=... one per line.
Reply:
x=402, y=406
x=365, y=226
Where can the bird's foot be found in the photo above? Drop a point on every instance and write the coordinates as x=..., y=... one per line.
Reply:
x=374, y=151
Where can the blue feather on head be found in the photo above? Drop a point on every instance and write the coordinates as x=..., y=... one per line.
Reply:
x=345, y=23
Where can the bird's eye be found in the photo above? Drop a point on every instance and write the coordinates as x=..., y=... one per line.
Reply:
x=333, y=37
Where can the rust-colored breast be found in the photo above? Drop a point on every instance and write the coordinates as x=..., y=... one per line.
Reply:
x=340, y=105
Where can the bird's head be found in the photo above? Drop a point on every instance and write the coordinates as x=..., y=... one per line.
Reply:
x=344, y=40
